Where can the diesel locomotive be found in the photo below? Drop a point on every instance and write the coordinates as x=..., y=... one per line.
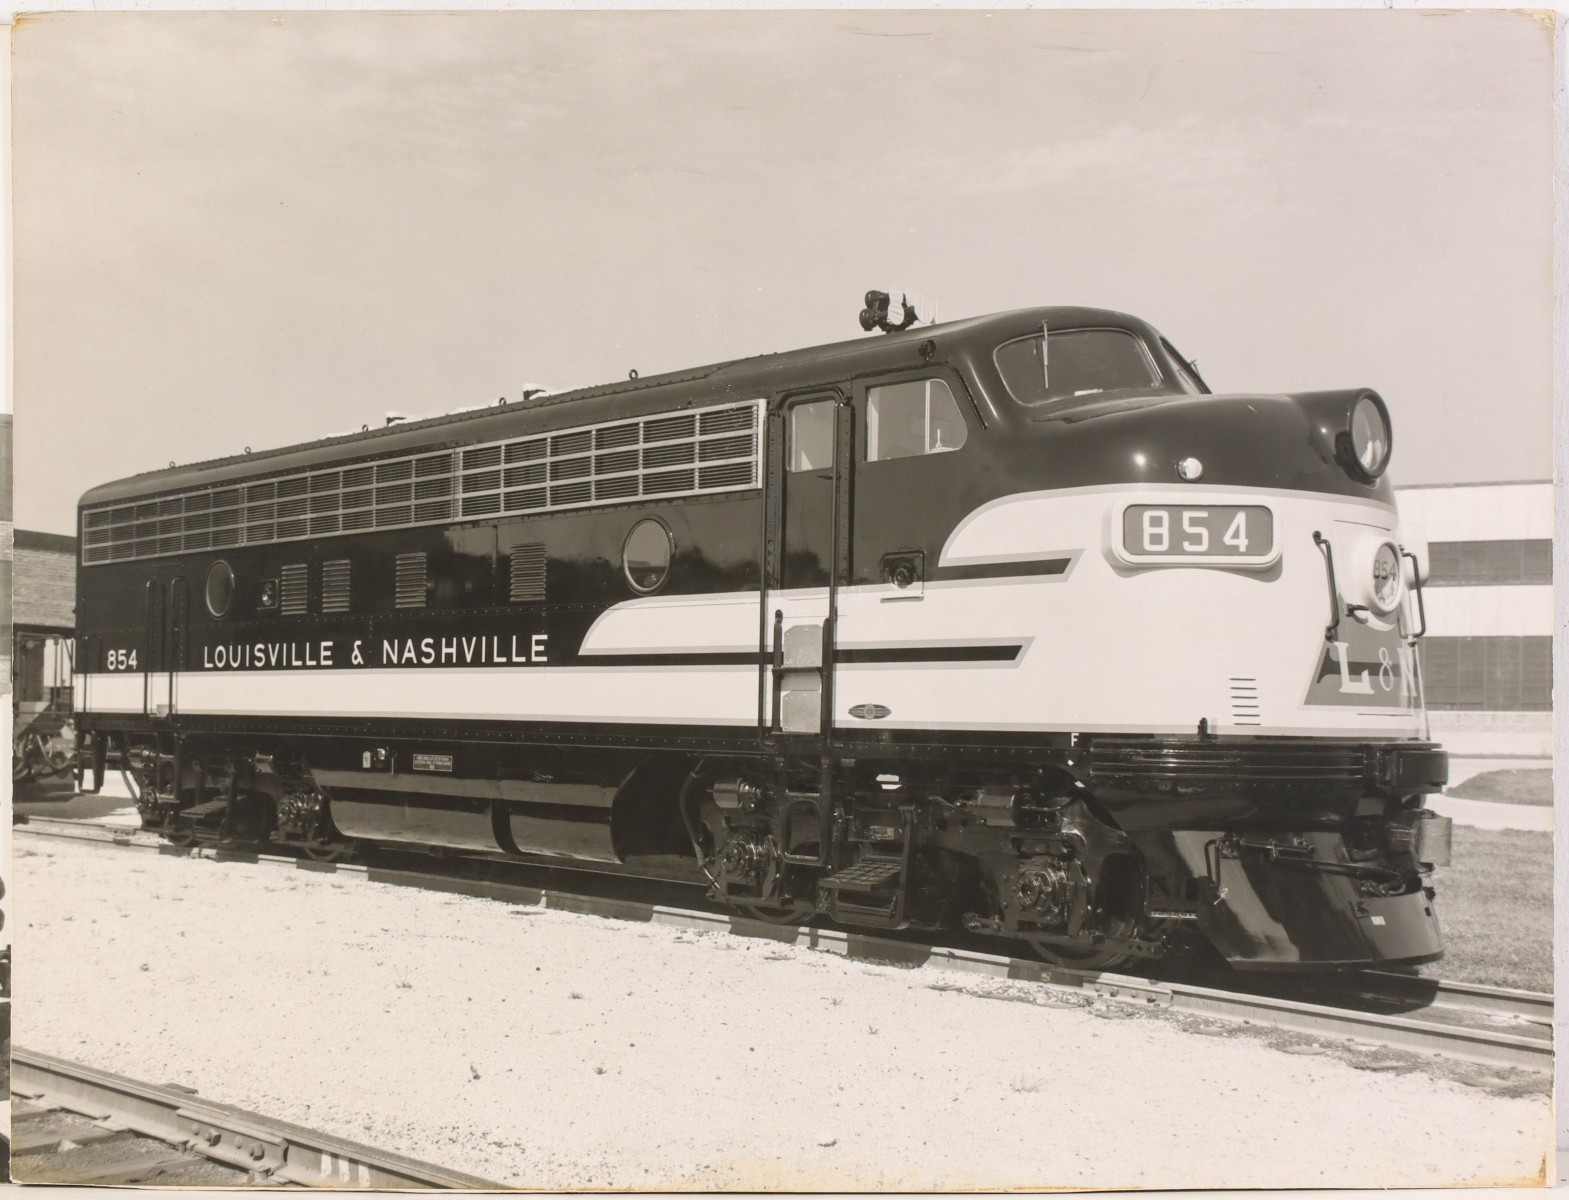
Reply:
x=1006, y=623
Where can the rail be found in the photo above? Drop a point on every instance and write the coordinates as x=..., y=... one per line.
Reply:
x=275, y=1151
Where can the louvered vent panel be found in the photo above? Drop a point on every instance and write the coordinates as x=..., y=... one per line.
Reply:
x=295, y=590
x=409, y=584
x=614, y=463
x=571, y=468
x=667, y=483
x=392, y=471
x=434, y=510
x=335, y=586
x=525, y=500
x=527, y=473
x=669, y=429
x=727, y=475
x=726, y=420
x=527, y=451
x=528, y=573
x=665, y=456
x=479, y=506
x=621, y=488
x=1245, y=701
x=610, y=436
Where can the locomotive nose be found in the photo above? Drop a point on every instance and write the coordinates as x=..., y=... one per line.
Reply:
x=1327, y=442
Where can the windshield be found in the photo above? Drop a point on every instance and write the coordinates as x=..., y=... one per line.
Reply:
x=1079, y=363
x=1187, y=371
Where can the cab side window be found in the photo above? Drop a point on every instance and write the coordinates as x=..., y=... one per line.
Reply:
x=811, y=441
x=920, y=416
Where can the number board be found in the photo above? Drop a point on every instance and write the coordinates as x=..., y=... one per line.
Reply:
x=1213, y=531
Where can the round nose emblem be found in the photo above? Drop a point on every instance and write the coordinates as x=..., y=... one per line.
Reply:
x=1190, y=469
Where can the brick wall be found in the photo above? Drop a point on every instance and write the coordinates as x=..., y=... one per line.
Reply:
x=43, y=573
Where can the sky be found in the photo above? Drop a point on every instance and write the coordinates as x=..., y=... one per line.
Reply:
x=237, y=229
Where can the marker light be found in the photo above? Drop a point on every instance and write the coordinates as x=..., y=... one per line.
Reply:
x=1386, y=578
x=1190, y=469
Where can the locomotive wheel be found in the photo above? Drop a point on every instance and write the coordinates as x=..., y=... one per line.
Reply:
x=1090, y=958
x=325, y=849
x=323, y=842
x=245, y=829
x=796, y=914
x=60, y=762
x=1117, y=893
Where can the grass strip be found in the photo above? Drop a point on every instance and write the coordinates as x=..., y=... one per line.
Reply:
x=1532, y=786
x=1495, y=906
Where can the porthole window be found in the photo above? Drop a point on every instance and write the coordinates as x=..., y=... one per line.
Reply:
x=220, y=588
x=646, y=556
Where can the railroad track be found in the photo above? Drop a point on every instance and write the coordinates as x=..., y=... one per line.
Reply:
x=73, y=1124
x=1498, y=1027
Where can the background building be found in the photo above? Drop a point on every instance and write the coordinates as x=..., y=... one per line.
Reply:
x=43, y=616
x=5, y=549
x=1487, y=658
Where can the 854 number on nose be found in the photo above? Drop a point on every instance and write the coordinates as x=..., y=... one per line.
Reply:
x=1211, y=531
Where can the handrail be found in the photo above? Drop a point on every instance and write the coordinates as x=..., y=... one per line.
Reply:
x=776, y=667
x=1333, y=627
x=772, y=434
x=1421, y=606
x=178, y=618
x=153, y=630
x=83, y=702
x=843, y=474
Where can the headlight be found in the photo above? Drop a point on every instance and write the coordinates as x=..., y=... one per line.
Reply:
x=1363, y=448
x=1386, y=578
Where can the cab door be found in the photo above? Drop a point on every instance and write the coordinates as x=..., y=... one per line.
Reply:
x=809, y=460
x=911, y=485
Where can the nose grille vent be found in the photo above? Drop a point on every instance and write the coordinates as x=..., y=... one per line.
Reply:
x=1244, y=701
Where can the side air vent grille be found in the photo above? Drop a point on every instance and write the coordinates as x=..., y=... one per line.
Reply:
x=295, y=587
x=409, y=585
x=335, y=586
x=528, y=573
x=667, y=455
x=1244, y=701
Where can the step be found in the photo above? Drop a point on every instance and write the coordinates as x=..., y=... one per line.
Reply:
x=866, y=875
x=200, y=812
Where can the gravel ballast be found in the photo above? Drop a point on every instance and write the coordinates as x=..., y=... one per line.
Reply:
x=544, y=1049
